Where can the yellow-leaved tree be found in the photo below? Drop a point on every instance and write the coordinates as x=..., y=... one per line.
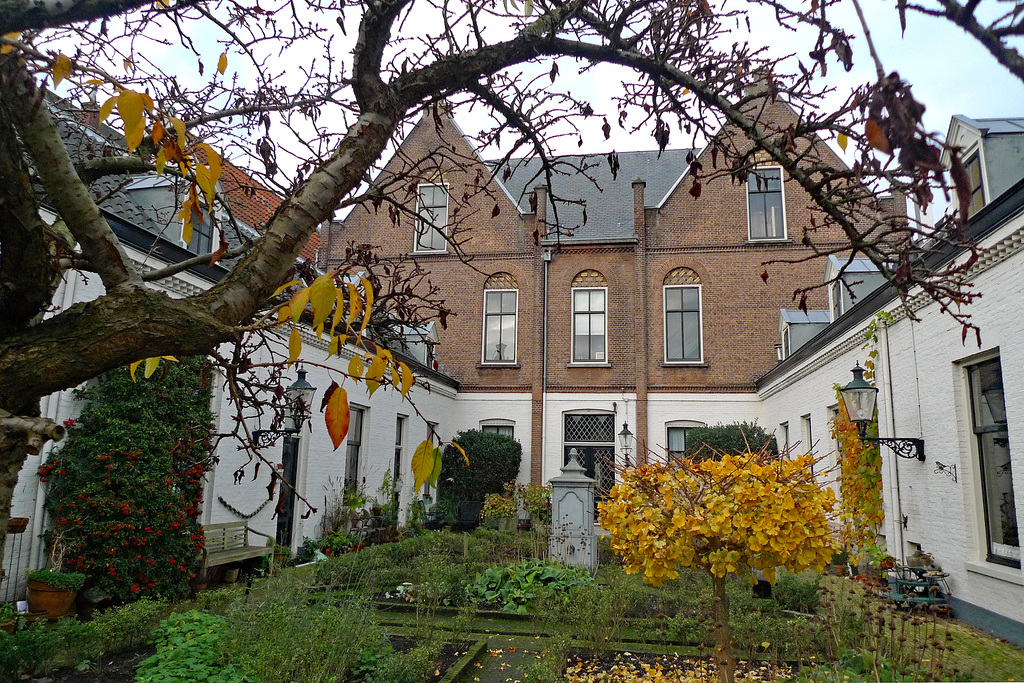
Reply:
x=732, y=514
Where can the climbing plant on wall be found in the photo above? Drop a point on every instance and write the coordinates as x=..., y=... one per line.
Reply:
x=126, y=488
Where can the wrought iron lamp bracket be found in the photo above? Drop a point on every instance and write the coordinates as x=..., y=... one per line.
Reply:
x=264, y=438
x=904, y=448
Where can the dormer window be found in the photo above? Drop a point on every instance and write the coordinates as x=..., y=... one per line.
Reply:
x=973, y=167
x=202, y=233
x=431, y=218
x=766, y=218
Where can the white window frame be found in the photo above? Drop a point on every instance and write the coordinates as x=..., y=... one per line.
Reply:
x=420, y=224
x=515, y=335
x=572, y=331
x=214, y=234
x=782, y=438
x=664, y=324
x=782, y=191
x=498, y=423
x=975, y=156
x=359, y=434
x=680, y=424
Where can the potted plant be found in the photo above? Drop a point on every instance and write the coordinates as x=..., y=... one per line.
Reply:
x=8, y=621
x=500, y=508
x=282, y=554
x=53, y=591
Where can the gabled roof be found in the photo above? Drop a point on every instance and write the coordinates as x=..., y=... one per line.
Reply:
x=609, y=200
x=1003, y=126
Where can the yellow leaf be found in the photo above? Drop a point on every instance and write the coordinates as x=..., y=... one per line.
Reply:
x=842, y=141
x=133, y=367
x=294, y=345
x=355, y=303
x=161, y=161
x=436, y=472
x=147, y=102
x=322, y=296
x=298, y=303
x=222, y=63
x=284, y=287
x=213, y=160
x=422, y=464
x=204, y=182
x=158, y=133
x=368, y=291
x=332, y=348
x=339, y=308
x=407, y=377
x=108, y=107
x=14, y=35
x=356, y=367
x=462, y=450
x=337, y=416
x=284, y=313
x=179, y=127
x=130, y=106
x=62, y=68
x=151, y=366
x=374, y=374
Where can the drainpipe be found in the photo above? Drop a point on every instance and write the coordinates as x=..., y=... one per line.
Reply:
x=547, y=256
x=894, y=484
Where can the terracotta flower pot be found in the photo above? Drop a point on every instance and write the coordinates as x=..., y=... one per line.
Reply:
x=56, y=602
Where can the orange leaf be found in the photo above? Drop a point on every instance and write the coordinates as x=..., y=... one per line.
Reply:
x=876, y=138
x=62, y=68
x=337, y=416
x=222, y=63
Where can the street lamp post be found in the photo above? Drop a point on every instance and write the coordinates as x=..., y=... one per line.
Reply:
x=298, y=398
x=859, y=398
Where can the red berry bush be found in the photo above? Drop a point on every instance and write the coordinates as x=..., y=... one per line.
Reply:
x=126, y=488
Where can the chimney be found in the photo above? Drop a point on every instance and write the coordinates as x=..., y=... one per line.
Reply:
x=541, y=213
x=639, y=220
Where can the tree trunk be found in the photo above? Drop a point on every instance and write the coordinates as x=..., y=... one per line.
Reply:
x=12, y=458
x=723, y=638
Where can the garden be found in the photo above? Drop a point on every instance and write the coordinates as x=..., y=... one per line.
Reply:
x=488, y=606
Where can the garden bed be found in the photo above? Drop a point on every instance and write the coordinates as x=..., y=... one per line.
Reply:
x=631, y=667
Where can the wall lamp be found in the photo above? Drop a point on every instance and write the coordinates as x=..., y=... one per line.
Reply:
x=859, y=398
x=625, y=441
x=298, y=398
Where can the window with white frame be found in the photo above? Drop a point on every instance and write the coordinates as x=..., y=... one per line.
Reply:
x=503, y=427
x=500, y=316
x=764, y=204
x=988, y=422
x=973, y=167
x=683, y=324
x=432, y=217
x=433, y=438
x=201, y=241
x=675, y=435
x=397, y=469
x=354, y=446
x=589, y=316
x=782, y=438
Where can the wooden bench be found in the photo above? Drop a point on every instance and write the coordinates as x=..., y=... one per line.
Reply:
x=228, y=542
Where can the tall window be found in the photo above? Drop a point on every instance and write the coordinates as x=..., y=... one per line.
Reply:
x=432, y=212
x=676, y=433
x=988, y=420
x=396, y=471
x=977, y=191
x=501, y=302
x=590, y=437
x=682, y=296
x=354, y=445
x=764, y=202
x=432, y=438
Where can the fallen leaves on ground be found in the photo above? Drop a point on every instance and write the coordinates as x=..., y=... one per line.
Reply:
x=631, y=668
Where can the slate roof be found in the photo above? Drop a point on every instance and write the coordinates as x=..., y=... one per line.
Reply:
x=1005, y=126
x=609, y=201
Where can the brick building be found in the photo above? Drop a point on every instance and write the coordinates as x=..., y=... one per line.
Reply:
x=627, y=302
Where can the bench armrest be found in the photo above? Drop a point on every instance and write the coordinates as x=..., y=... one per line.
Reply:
x=270, y=539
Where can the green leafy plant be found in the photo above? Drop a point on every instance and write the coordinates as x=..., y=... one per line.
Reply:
x=126, y=489
x=6, y=612
x=493, y=460
x=497, y=506
x=515, y=587
x=739, y=437
x=27, y=648
x=338, y=542
x=68, y=581
x=188, y=650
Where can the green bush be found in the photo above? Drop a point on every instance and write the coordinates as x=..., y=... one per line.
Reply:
x=126, y=488
x=27, y=648
x=798, y=592
x=188, y=649
x=739, y=437
x=493, y=460
x=515, y=587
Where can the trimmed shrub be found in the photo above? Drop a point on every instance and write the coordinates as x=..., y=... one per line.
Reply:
x=739, y=437
x=493, y=460
x=126, y=488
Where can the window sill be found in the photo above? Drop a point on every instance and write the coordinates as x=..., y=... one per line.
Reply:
x=498, y=366
x=996, y=571
x=439, y=252
x=578, y=364
x=772, y=240
x=684, y=364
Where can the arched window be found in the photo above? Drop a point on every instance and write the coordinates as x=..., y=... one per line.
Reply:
x=501, y=313
x=589, y=318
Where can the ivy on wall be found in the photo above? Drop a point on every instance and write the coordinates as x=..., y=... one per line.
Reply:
x=126, y=488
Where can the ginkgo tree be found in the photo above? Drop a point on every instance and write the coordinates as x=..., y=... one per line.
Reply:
x=731, y=514
x=311, y=97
